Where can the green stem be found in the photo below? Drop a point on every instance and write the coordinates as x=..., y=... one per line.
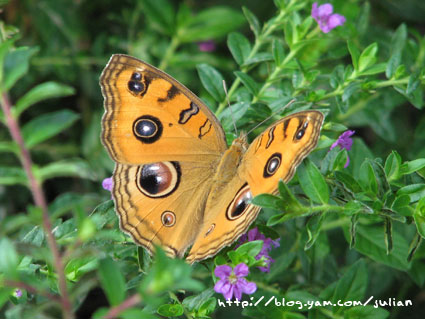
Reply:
x=175, y=42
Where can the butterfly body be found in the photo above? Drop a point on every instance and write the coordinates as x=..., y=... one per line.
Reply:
x=176, y=183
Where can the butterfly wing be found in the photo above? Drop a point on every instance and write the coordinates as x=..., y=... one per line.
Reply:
x=276, y=153
x=166, y=143
x=273, y=155
x=151, y=117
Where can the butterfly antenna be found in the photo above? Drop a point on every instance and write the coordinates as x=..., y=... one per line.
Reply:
x=231, y=110
x=273, y=114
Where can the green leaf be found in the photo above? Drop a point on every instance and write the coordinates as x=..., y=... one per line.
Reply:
x=366, y=312
x=251, y=248
x=252, y=86
x=415, y=191
x=239, y=47
x=210, y=24
x=212, y=81
x=352, y=285
x=167, y=310
x=368, y=179
x=393, y=64
x=42, y=92
x=278, y=52
x=9, y=147
x=313, y=183
x=12, y=176
x=112, y=281
x=194, y=302
x=313, y=227
x=16, y=64
x=392, y=166
x=374, y=69
x=349, y=181
x=398, y=40
x=160, y=14
x=66, y=168
x=232, y=114
x=412, y=166
x=370, y=242
x=8, y=259
x=352, y=88
x=46, y=126
x=268, y=201
x=252, y=20
x=355, y=54
x=419, y=217
x=368, y=57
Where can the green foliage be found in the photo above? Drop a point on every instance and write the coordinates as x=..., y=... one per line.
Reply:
x=346, y=233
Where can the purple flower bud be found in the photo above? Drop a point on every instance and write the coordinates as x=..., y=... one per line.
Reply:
x=344, y=141
x=325, y=17
x=206, y=46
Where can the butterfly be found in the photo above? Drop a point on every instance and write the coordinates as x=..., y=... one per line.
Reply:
x=176, y=183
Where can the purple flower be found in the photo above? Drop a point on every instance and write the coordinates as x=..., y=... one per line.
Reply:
x=324, y=17
x=206, y=46
x=18, y=293
x=108, y=183
x=232, y=281
x=344, y=141
x=268, y=243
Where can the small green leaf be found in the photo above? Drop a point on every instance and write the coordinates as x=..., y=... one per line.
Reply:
x=352, y=88
x=412, y=166
x=251, y=248
x=313, y=227
x=252, y=86
x=232, y=114
x=16, y=64
x=46, y=126
x=195, y=302
x=368, y=57
x=252, y=20
x=174, y=310
x=313, y=183
x=112, y=281
x=268, y=201
x=398, y=40
x=212, y=81
x=370, y=242
x=419, y=216
x=349, y=181
x=211, y=23
x=413, y=83
x=12, y=176
x=392, y=166
x=393, y=64
x=278, y=52
x=355, y=54
x=366, y=312
x=66, y=168
x=42, y=92
x=6, y=147
x=415, y=191
x=239, y=47
x=8, y=259
x=160, y=14
x=352, y=285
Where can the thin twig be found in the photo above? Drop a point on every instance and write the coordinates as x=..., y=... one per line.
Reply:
x=40, y=201
x=128, y=303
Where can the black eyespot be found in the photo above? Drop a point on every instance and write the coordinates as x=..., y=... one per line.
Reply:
x=136, y=76
x=272, y=165
x=136, y=87
x=158, y=179
x=240, y=203
x=168, y=218
x=147, y=129
x=300, y=134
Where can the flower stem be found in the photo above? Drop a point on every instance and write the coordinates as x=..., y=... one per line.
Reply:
x=40, y=201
